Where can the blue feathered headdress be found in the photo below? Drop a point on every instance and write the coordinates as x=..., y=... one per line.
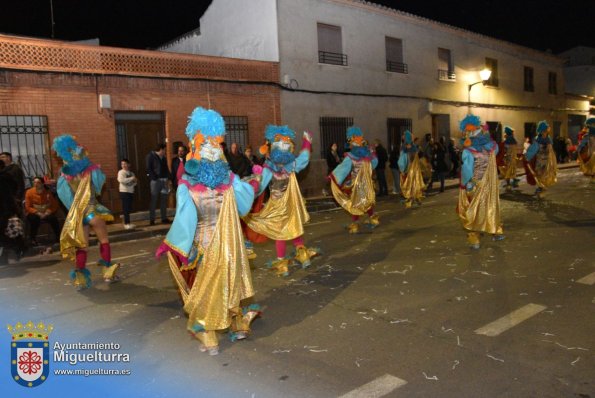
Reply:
x=590, y=122
x=470, y=121
x=207, y=122
x=508, y=130
x=408, y=137
x=67, y=148
x=542, y=126
x=354, y=131
x=272, y=131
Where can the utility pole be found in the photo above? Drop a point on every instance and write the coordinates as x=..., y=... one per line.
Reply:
x=52, y=16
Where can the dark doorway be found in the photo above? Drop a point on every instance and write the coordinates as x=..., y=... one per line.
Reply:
x=441, y=127
x=575, y=124
x=495, y=131
x=138, y=133
x=396, y=129
x=530, y=130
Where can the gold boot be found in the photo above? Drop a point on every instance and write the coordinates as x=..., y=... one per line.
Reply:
x=374, y=220
x=353, y=228
x=302, y=256
x=81, y=279
x=109, y=273
x=281, y=267
x=473, y=240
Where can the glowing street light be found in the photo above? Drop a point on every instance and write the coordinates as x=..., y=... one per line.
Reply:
x=484, y=74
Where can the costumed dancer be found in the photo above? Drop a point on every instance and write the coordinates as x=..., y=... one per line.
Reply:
x=509, y=155
x=541, y=165
x=283, y=216
x=205, y=247
x=585, y=149
x=412, y=180
x=351, y=181
x=479, y=202
x=79, y=185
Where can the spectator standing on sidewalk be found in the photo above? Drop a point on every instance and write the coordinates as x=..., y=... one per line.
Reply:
x=41, y=206
x=158, y=174
x=382, y=156
x=393, y=163
x=15, y=171
x=176, y=170
x=127, y=181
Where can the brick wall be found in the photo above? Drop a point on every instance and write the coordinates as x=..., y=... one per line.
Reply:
x=70, y=102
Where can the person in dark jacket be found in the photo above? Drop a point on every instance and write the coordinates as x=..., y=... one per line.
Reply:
x=10, y=238
x=176, y=171
x=238, y=163
x=332, y=158
x=382, y=156
x=439, y=162
x=393, y=163
x=158, y=174
x=15, y=171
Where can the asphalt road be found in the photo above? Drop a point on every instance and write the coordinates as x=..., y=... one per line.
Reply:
x=397, y=311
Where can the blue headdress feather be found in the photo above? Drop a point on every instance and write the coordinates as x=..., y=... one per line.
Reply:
x=508, y=130
x=590, y=122
x=353, y=131
x=65, y=145
x=470, y=119
x=542, y=126
x=207, y=122
x=408, y=137
x=273, y=130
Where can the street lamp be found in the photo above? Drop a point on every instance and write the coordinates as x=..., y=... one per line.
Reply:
x=484, y=74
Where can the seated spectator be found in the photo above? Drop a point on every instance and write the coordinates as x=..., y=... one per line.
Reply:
x=41, y=206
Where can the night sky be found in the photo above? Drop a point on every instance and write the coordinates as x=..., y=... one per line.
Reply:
x=556, y=25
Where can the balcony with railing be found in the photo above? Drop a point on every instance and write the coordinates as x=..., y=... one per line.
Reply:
x=446, y=75
x=398, y=67
x=325, y=57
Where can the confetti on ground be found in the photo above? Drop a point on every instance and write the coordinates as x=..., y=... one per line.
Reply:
x=575, y=361
x=494, y=358
x=430, y=378
x=456, y=363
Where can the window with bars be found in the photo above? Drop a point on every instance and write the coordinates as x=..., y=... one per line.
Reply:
x=26, y=138
x=492, y=64
x=330, y=45
x=236, y=128
x=396, y=130
x=528, y=79
x=333, y=130
x=446, y=68
x=394, y=55
x=552, y=83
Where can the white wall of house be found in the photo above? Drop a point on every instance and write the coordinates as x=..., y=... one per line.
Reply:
x=234, y=29
x=579, y=71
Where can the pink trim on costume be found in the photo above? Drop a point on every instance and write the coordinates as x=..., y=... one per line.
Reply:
x=306, y=145
x=368, y=158
x=85, y=172
x=164, y=248
x=202, y=188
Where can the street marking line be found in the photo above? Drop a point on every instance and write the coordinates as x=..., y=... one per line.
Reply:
x=587, y=280
x=132, y=255
x=317, y=223
x=376, y=388
x=510, y=320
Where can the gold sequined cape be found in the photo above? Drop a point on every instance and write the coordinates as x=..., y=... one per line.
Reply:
x=282, y=218
x=72, y=236
x=508, y=170
x=223, y=277
x=479, y=210
x=412, y=183
x=361, y=197
x=546, y=174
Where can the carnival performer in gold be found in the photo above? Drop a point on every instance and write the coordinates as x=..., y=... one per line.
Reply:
x=351, y=181
x=508, y=169
x=79, y=184
x=283, y=216
x=541, y=162
x=585, y=149
x=479, y=202
x=412, y=179
x=205, y=246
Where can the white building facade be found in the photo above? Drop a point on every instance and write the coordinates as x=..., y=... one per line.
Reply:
x=349, y=62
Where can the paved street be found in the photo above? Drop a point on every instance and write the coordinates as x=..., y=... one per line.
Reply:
x=405, y=310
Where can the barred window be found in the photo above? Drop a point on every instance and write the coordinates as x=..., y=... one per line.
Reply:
x=552, y=83
x=333, y=130
x=528, y=79
x=237, y=131
x=26, y=138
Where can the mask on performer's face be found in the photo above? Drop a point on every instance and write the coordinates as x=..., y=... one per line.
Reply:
x=210, y=151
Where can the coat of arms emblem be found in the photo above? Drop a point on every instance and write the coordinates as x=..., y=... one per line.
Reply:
x=29, y=353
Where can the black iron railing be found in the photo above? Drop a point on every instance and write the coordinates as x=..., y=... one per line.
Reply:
x=398, y=67
x=446, y=75
x=325, y=57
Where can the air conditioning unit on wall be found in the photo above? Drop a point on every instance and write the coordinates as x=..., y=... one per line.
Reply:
x=105, y=101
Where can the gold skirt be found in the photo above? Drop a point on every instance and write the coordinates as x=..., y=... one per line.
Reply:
x=361, y=197
x=223, y=276
x=479, y=210
x=283, y=218
x=545, y=176
x=412, y=183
